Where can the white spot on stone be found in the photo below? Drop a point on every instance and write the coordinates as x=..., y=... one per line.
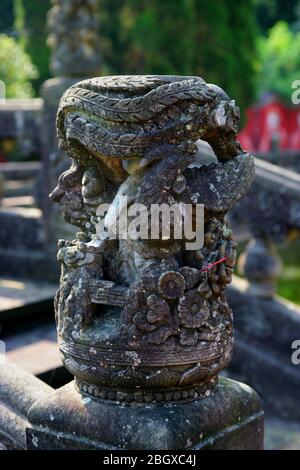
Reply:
x=86, y=400
x=134, y=356
x=195, y=198
x=189, y=443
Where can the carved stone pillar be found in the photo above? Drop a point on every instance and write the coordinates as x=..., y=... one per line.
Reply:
x=261, y=266
x=73, y=38
x=145, y=322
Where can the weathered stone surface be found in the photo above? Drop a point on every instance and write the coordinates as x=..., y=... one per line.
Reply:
x=143, y=324
x=18, y=392
x=221, y=185
x=173, y=333
x=230, y=418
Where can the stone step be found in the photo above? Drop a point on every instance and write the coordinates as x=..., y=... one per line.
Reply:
x=17, y=188
x=20, y=170
x=21, y=228
x=35, y=350
x=33, y=347
x=23, y=249
x=28, y=329
x=19, y=201
x=21, y=299
x=30, y=264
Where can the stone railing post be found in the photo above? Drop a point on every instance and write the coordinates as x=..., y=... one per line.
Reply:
x=143, y=324
x=73, y=39
x=261, y=266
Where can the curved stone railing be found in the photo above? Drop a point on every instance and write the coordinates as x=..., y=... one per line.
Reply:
x=266, y=325
x=271, y=213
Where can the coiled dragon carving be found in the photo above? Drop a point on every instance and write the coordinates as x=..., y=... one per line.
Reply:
x=152, y=315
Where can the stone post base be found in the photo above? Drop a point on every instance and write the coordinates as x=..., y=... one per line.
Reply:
x=230, y=418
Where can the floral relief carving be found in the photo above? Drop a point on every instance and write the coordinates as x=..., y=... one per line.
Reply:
x=143, y=317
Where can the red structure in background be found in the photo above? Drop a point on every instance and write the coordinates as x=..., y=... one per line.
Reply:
x=270, y=125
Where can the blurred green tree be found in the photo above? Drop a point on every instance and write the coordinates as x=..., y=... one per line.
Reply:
x=35, y=14
x=16, y=68
x=280, y=60
x=268, y=12
x=19, y=21
x=7, y=16
x=25, y=20
x=146, y=36
x=225, y=46
x=216, y=40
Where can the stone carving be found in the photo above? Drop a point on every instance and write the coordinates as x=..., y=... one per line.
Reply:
x=74, y=41
x=147, y=320
x=73, y=38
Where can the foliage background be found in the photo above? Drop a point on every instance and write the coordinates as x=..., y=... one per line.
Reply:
x=246, y=47
x=190, y=37
x=279, y=60
x=16, y=68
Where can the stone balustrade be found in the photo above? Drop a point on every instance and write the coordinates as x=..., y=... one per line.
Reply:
x=266, y=325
